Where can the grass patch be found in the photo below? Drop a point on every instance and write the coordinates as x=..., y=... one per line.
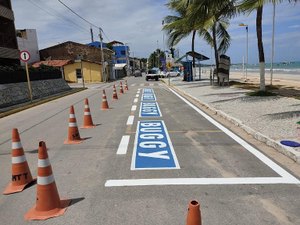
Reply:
x=261, y=93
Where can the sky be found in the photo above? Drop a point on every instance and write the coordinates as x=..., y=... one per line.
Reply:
x=139, y=24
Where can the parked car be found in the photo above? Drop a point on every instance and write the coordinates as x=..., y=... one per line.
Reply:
x=137, y=73
x=173, y=73
x=154, y=73
x=163, y=74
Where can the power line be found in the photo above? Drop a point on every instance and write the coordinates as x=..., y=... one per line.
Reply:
x=57, y=15
x=82, y=18
x=78, y=15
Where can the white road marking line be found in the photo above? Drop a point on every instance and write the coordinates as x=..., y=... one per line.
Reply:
x=199, y=181
x=275, y=167
x=133, y=108
x=142, y=85
x=133, y=85
x=130, y=120
x=151, y=84
x=122, y=150
x=137, y=95
x=135, y=100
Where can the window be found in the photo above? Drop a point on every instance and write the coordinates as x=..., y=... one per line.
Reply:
x=78, y=73
x=123, y=52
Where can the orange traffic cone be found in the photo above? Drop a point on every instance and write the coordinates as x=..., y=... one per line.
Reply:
x=115, y=95
x=87, y=118
x=194, y=214
x=48, y=203
x=21, y=175
x=104, y=101
x=73, y=132
x=121, y=88
x=126, y=86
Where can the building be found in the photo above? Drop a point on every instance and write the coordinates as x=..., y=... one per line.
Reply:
x=76, y=51
x=71, y=70
x=121, y=50
x=9, y=53
x=27, y=40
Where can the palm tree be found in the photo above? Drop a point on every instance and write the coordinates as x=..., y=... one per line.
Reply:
x=249, y=6
x=178, y=26
x=207, y=18
x=213, y=17
x=154, y=59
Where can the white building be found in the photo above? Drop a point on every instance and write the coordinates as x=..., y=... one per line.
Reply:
x=27, y=40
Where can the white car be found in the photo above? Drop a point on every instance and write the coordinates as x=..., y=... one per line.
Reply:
x=173, y=73
x=163, y=74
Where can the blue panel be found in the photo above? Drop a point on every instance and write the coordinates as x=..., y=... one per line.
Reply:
x=148, y=95
x=149, y=109
x=153, y=148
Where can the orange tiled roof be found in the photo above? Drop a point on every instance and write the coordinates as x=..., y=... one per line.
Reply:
x=55, y=63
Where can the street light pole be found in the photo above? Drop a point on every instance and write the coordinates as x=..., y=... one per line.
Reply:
x=273, y=31
x=157, y=54
x=247, y=41
x=101, y=52
x=127, y=56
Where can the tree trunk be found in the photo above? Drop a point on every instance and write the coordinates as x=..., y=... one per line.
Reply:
x=215, y=49
x=262, y=86
x=193, y=47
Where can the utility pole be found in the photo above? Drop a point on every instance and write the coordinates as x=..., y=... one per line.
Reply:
x=102, y=56
x=92, y=35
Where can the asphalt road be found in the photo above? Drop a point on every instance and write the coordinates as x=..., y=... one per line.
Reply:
x=109, y=183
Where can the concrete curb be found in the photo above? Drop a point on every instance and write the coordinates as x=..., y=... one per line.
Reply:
x=288, y=151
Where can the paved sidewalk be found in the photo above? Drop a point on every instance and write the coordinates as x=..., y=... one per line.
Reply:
x=268, y=119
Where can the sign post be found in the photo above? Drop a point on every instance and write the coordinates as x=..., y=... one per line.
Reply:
x=170, y=62
x=25, y=57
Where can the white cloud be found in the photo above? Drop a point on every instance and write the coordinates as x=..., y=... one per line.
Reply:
x=294, y=26
x=139, y=23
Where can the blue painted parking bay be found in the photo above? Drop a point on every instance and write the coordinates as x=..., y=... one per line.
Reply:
x=153, y=149
x=149, y=109
x=148, y=95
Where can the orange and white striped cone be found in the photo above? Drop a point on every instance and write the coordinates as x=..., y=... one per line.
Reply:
x=21, y=175
x=87, y=117
x=73, y=132
x=121, y=88
x=48, y=203
x=126, y=86
x=104, y=101
x=115, y=95
x=194, y=214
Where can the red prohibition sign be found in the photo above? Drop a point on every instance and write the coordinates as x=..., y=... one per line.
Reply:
x=24, y=56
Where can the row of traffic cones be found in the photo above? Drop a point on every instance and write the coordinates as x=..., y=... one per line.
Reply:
x=48, y=203
x=73, y=132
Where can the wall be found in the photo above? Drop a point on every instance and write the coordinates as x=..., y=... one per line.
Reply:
x=71, y=50
x=11, y=94
x=91, y=72
x=27, y=40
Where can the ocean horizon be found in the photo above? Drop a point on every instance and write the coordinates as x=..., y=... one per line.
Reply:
x=278, y=67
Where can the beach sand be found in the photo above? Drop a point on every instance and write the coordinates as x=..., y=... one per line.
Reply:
x=289, y=80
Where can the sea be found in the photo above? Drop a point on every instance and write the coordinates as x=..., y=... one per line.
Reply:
x=291, y=68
